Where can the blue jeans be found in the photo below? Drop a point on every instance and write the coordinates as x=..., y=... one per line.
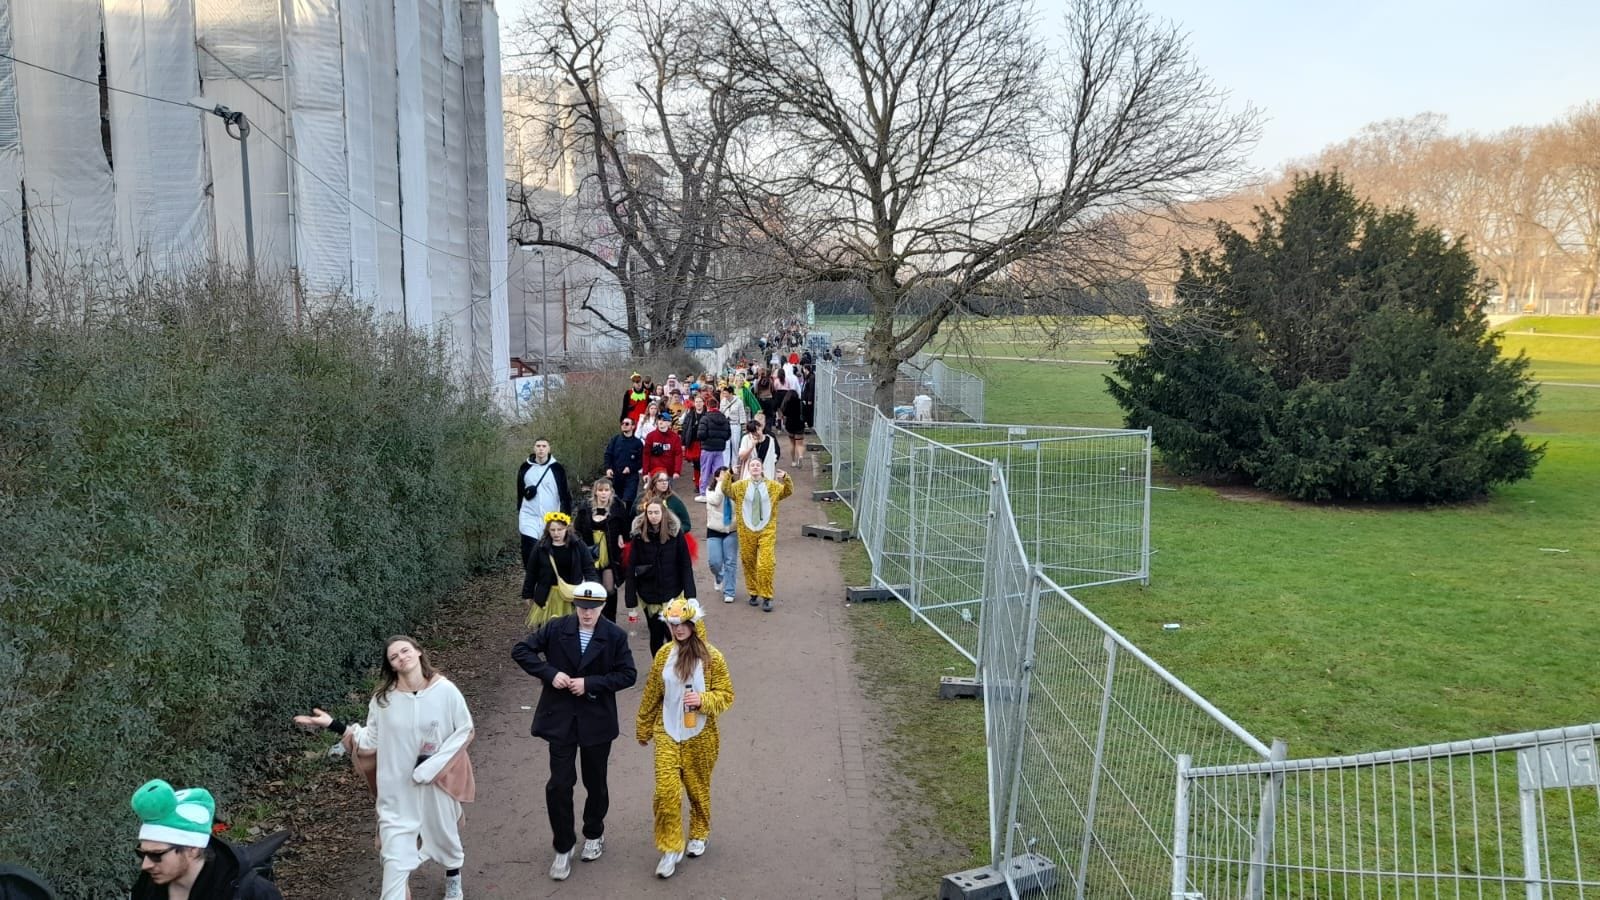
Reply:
x=723, y=556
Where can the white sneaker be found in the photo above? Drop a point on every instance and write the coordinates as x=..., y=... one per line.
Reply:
x=592, y=848
x=668, y=864
x=697, y=847
x=452, y=888
x=700, y=498
x=727, y=598
x=562, y=867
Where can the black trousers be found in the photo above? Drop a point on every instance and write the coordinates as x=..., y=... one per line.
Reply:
x=558, y=792
x=528, y=543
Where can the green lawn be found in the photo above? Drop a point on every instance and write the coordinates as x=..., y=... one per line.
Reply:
x=1365, y=628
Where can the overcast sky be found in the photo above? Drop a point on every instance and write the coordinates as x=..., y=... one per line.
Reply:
x=1318, y=72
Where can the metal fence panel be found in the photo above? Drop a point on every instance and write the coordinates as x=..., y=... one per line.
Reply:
x=1510, y=816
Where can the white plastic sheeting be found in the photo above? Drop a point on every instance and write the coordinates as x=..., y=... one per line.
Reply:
x=66, y=173
x=12, y=254
x=157, y=149
x=316, y=108
x=376, y=156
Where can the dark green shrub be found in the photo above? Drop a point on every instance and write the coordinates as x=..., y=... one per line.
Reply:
x=1339, y=353
x=209, y=518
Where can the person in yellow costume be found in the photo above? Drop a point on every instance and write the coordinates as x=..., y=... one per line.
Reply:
x=756, y=498
x=687, y=690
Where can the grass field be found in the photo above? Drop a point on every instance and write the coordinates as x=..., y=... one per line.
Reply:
x=1337, y=628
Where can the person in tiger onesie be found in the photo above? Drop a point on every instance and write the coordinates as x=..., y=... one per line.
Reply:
x=687, y=690
x=756, y=498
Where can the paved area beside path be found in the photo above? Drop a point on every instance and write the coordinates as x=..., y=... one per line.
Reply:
x=793, y=807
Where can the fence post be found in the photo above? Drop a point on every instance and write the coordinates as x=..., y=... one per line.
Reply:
x=1180, y=831
x=1531, y=876
x=1266, y=823
x=1012, y=824
x=1096, y=766
x=1144, y=561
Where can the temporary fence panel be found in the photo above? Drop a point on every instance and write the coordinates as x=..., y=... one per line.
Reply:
x=157, y=149
x=1010, y=611
x=1105, y=727
x=12, y=250
x=1080, y=496
x=1514, y=816
x=65, y=170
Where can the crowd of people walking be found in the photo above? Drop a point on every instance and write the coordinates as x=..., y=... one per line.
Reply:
x=625, y=544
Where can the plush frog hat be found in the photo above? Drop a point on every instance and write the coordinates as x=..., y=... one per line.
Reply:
x=181, y=817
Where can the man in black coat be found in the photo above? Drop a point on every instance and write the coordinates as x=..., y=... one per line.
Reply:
x=623, y=458
x=583, y=660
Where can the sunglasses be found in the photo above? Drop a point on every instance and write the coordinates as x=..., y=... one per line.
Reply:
x=152, y=855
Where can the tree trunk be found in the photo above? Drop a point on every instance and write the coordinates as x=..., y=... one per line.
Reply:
x=882, y=361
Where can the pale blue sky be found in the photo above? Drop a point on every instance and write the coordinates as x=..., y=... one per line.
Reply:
x=1320, y=71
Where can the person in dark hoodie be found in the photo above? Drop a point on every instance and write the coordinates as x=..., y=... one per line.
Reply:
x=556, y=564
x=179, y=856
x=659, y=565
x=624, y=457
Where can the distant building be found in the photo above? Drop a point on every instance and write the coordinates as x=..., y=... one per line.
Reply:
x=392, y=108
x=561, y=301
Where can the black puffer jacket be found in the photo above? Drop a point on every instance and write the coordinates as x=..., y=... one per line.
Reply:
x=714, y=431
x=658, y=570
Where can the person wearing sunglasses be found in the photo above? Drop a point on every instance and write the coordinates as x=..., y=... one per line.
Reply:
x=180, y=859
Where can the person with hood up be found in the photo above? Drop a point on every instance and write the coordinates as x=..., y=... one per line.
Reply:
x=660, y=566
x=755, y=501
x=419, y=727
x=687, y=690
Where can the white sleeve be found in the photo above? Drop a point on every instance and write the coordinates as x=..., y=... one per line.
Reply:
x=366, y=736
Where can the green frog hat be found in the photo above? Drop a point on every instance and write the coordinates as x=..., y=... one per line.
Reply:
x=181, y=817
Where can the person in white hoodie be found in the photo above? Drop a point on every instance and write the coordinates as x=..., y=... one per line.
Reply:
x=541, y=488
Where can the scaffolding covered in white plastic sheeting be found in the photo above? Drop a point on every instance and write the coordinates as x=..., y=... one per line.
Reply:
x=376, y=150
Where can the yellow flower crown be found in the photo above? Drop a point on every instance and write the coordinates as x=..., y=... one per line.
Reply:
x=558, y=516
x=678, y=610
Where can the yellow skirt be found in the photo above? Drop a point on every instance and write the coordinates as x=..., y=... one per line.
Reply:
x=556, y=605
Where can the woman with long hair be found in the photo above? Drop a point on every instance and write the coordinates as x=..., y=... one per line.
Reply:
x=659, y=487
x=602, y=523
x=688, y=426
x=793, y=414
x=659, y=566
x=557, y=564
x=687, y=690
x=418, y=726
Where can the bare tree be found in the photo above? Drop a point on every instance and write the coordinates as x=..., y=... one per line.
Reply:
x=652, y=213
x=930, y=149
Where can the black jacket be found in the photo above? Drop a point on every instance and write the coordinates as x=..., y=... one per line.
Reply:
x=606, y=668
x=658, y=572
x=557, y=472
x=230, y=874
x=714, y=431
x=572, y=561
x=615, y=525
x=624, y=451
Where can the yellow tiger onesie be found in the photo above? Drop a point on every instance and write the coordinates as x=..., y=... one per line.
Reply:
x=758, y=527
x=683, y=762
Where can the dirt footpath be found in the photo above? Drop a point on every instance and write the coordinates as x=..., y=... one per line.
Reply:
x=793, y=809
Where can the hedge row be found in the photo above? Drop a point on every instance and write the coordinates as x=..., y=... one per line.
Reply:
x=210, y=516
